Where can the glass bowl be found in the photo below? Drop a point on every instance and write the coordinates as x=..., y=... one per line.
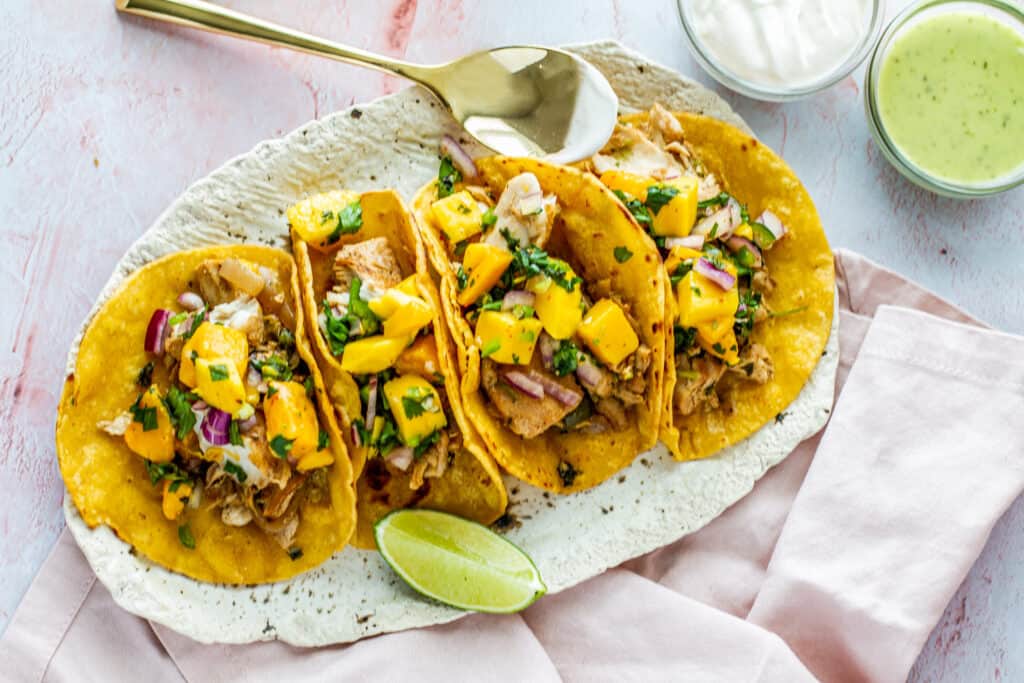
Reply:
x=761, y=91
x=1008, y=13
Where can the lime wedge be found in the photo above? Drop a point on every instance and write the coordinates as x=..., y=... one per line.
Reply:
x=458, y=562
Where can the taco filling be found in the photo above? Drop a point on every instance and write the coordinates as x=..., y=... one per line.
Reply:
x=713, y=251
x=236, y=427
x=558, y=353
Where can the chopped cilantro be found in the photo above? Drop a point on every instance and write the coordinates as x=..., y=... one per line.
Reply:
x=510, y=239
x=285, y=338
x=235, y=471
x=680, y=272
x=358, y=307
x=271, y=390
x=685, y=338
x=489, y=218
x=718, y=348
x=186, y=538
x=388, y=438
x=660, y=195
x=414, y=402
x=218, y=372
x=323, y=440
x=489, y=304
x=447, y=177
x=528, y=336
x=309, y=386
x=281, y=446
x=622, y=254
x=350, y=219
x=460, y=248
x=274, y=367
x=164, y=470
x=179, y=407
x=641, y=213
x=326, y=216
x=521, y=311
x=717, y=200
x=565, y=359
x=490, y=348
x=234, y=437
x=177, y=318
x=425, y=443
x=144, y=416
x=746, y=313
x=532, y=260
x=791, y=311
x=337, y=330
x=197, y=320
x=461, y=277
x=145, y=376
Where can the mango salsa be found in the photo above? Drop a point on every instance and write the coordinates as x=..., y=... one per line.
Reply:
x=213, y=341
x=403, y=315
x=484, y=265
x=632, y=184
x=420, y=358
x=677, y=255
x=291, y=415
x=725, y=348
x=409, y=285
x=677, y=217
x=458, y=215
x=607, y=332
x=559, y=311
x=372, y=354
x=505, y=338
x=701, y=300
x=416, y=408
x=219, y=384
x=744, y=231
x=321, y=458
x=317, y=217
x=713, y=330
x=157, y=442
x=175, y=497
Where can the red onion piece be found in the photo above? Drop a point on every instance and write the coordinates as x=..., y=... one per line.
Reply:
x=728, y=218
x=355, y=437
x=190, y=301
x=156, y=331
x=199, y=405
x=215, y=427
x=736, y=243
x=248, y=424
x=690, y=242
x=548, y=346
x=460, y=157
x=371, y=403
x=773, y=223
x=552, y=388
x=713, y=273
x=588, y=373
x=525, y=384
x=516, y=297
x=401, y=457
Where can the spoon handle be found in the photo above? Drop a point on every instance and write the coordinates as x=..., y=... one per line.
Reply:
x=209, y=17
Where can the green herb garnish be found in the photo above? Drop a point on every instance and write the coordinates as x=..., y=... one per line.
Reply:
x=660, y=195
x=281, y=446
x=235, y=471
x=186, y=538
x=145, y=376
x=218, y=372
x=717, y=200
x=622, y=254
x=565, y=359
x=350, y=220
x=447, y=177
x=490, y=348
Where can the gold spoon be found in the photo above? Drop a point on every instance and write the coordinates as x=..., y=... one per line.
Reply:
x=519, y=101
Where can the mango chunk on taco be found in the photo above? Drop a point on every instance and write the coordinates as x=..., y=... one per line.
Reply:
x=194, y=423
x=556, y=302
x=375, y=319
x=750, y=271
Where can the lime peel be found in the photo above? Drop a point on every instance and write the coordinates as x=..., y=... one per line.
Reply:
x=457, y=561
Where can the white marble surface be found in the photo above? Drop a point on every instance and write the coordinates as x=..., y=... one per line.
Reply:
x=104, y=120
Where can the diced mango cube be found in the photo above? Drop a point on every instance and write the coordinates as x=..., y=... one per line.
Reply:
x=213, y=341
x=458, y=215
x=560, y=311
x=420, y=358
x=312, y=461
x=505, y=338
x=290, y=413
x=409, y=285
x=416, y=408
x=219, y=384
x=631, y=183
x=484, y=265
x=713, y=330
x=157, y=442
x=744, y=231
x=607, y=333
x=316, y=218
x=725, y=348
x=677, y=255
x=677, y=217
x=403, y=315
x=372, y=354
x=175, y=498
x=700, y=300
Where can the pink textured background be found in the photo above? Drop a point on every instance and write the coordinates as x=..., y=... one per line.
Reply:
x=105, y=120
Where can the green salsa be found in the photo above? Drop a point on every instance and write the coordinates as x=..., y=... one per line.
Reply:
x=951, y=97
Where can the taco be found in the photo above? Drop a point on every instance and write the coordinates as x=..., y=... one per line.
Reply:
x=375, y=319
x=193, y=423
x=750, y=270
x=556, y=302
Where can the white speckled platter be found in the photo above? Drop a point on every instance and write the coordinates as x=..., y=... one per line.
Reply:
x=392, y=142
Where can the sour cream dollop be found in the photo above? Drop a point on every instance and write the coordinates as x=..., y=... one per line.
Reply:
x=789, y=43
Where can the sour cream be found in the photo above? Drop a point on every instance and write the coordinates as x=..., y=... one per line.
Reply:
x=779, y=43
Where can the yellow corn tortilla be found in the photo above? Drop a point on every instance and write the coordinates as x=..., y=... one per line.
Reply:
x=590, y=224
x=801, y=266
x=108, y=482
x=471, y=486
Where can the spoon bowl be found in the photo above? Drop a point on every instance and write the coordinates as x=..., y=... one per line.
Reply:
x=518, y=101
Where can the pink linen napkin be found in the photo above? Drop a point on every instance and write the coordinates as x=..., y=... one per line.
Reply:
x=836, y=566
